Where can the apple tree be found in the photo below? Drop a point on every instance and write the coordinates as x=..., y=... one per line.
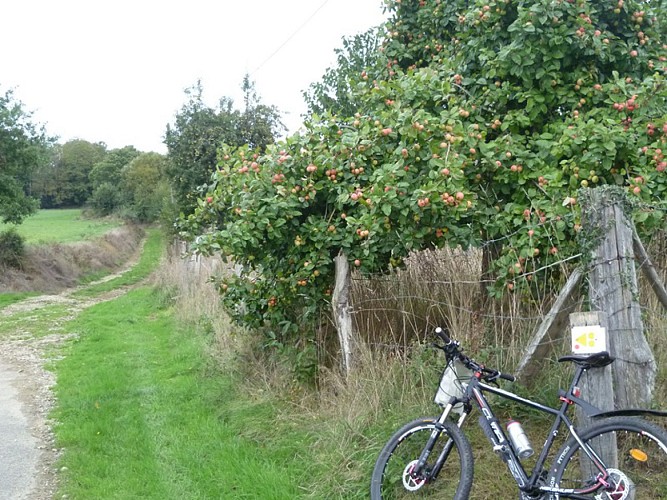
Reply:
x=485, y=120
x=553, y=96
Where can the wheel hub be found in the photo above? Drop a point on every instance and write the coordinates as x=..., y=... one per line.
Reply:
x=410, y=481
x=623, y=487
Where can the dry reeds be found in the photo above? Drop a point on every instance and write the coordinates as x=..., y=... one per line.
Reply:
x=654, y=314
x=54, y=267
x=444, y=287
x=187, y=281
x=436, y=288
x=394, y=315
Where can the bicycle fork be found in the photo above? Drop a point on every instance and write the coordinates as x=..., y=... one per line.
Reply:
x=417, y=471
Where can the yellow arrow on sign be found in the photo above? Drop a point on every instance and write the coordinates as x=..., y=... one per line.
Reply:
x=587, y=339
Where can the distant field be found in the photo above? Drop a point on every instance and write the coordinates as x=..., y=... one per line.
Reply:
x=61, y=226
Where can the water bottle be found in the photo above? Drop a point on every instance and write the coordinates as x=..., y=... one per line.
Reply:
x=519, y=439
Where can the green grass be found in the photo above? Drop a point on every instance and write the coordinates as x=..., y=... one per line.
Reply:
x=61, y=226
x=148, y=262
x=143, y=413
x=10, y=298
x=38, y=323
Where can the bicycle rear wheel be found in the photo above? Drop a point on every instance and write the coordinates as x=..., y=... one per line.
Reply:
x=394, y=475
x=634, y=452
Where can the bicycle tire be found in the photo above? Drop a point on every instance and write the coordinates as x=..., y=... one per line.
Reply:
x=391, y=470
x=641, y=447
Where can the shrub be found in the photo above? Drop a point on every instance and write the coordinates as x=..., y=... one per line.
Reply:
x=480, y=131
x=105, y=199
x=12, y=248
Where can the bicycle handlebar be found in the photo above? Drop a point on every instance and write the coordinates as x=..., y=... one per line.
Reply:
x=507, y=376
x=452, y=351
x=441, y=333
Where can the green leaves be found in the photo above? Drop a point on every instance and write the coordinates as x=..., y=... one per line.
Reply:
x=199, y=130
x=23, y=148
x=482, y=125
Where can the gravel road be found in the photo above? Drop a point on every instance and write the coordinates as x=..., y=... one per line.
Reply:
x=27, y=451
x=27, y=454
x=19, y=452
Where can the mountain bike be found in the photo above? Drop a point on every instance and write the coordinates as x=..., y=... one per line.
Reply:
x=619, y=456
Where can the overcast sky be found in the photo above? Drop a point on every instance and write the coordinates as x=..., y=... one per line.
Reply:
x=116, y=71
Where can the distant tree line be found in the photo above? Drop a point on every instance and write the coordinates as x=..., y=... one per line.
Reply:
x=23, y=149
x=38, y=172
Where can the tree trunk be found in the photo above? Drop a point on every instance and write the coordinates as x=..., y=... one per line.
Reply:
x=342, y=311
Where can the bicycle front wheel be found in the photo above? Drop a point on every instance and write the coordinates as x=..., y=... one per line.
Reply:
x=634, y=452
x=395, y=475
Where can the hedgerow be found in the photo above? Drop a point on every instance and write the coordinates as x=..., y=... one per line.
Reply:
x=482, y=125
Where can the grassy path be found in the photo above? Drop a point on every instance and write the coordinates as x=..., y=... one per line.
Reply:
x=144, y=415
x=141, y=411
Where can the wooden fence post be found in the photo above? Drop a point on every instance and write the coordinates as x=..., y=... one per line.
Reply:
x=550, y=330
x=340, y=301
x=596, y=385
x=613, y=290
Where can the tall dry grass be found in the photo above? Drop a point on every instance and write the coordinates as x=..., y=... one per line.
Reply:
x=186, y=281
x=444, y=287
x=394, y=315
x=436, y=288
x=54, y=267
x=396, y=372
x=654, y=312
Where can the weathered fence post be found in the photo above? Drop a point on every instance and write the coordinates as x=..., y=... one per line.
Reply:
x=340, y=301
x=613, y=290
x=550, y=330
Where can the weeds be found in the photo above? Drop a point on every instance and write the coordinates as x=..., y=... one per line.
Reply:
x=396, y=373
x=12, y=248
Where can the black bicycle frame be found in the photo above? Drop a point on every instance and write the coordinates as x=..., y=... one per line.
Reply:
x=495, y=433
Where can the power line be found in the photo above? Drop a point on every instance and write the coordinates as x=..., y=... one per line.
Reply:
x=289, y=38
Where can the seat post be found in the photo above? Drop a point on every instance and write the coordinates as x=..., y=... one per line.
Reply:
x=576, y=378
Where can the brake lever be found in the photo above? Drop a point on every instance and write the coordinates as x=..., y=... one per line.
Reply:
x=438, y=346
x=493, y=379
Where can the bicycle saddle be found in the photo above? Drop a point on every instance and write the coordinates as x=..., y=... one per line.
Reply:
x=596, y=360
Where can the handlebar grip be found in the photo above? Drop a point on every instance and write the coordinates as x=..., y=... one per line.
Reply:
x=441, y=333
x=508, y=377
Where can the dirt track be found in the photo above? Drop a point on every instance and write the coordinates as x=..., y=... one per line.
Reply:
x=28, y=455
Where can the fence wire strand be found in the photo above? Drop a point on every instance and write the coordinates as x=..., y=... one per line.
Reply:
x=404, y=304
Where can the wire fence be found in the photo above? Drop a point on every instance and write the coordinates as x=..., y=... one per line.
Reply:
x=445, y=287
